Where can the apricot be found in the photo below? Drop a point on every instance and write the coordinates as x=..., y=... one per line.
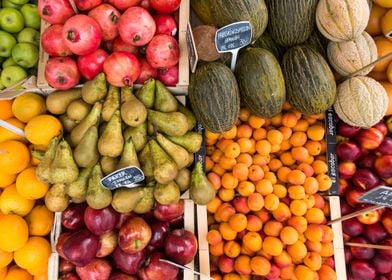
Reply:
x=252, y=241
x=279, y=190
x=310, y=201
x=326, y=249
x=226, y=264
x=254, y=223
x=271, y=202
x=314, y=232
x=224, y=212
x=227, y=232
x=315, y=216
x=231, y=276
x=326, y=273
x=214, y=237
x=319, y=201
x=298, y=207
x=272, y=246
x=297, y=251
x=263, y=214
x=287, y=273
x=255, y=201
x=328, y=234
x=232, y=249
x=305, y=273
x=288, y=235
x=283, y=260
x=313, y=246
x=242, y=265
x=296, y=192
x=313, y=260
x=241, y=204
x=272, y=228
x=282, y=213
x=238, y=222
x=299, y=223
x=260, y=265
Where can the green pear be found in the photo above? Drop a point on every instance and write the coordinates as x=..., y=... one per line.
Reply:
x=111, y=141
x=145, y=159
x=58, y=101
x=164, y=99
x=86, y=152
x=67, y=123
x=77, y=190
x=147, y=201
x=183, y=179
x=77, y=110
x=43, y=168
x=133, y=111
x=173, y=123
x=111, y=104
x=97, y=196
x=125, y=200
x=95, y=89
x=176, y=152
x=91, y=119
x=189, y=115
x=129, y=155
x=63, y=169
x=56, y=199
x=201, y=191
x=138, y=135
x=191, y=141
x=108, y=164
x=167, y=193
x=165, y=168
x=146, y=94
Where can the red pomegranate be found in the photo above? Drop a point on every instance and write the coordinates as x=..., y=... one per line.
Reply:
x=119, y=45
x=52, y=42
x=168, y=77
x=91, y=64
x=147, y=71
x=107, y=18
x=86, y=5
x=55, y=11
x=121, y=69
x=123, y=4
x=165, y=24
x=163, y=51
x=165, y=6
x=62, y=72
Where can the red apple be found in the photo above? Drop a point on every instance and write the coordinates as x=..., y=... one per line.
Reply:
x=141, y=274
x=181, y=246
x=370, y=138
x=352, y=196
x=381, y=126
x=365, y=179
x=366, y=161
x=60, y=243
x=386, y=221
x=345, y=208
x=66, y=266
x=361, y=252
x=382, y=264
x=348, y=151
x=121, y=276
x=72, y=217
x=159, y=270
x=383, y=166
x=362, y=270
x=128, y=263
x=100, y=221
x=81, y=247
x=134, y=235
x=95, y=269
x=369, y=218
x=375, y=233
x=107, y=244
x=352, y=227
x=169, y=212
x=123, y=217
x=385, y=147
x=160, y=230
x=347, y=130
x=346, y=169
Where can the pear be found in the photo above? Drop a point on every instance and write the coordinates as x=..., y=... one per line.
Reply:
x=138, y=135
x=86, y=152
x=63, y=169
x=77, y=110
x=95, y=89
x=67, y=123
x=167, y=193
x=191, y=141
x=176, y=152
x=108, y=164
x=111, y=104
x=201, y=191
x=97, y=196
x=189, y=116
x=125, y=200
x=164, y=99
x=56, y=199
x=147, y=164
x=146, y=94
x=147, y=201
x=58, y=101
x=129, y=155
x=173, y=123
x=165, y=169
x=191, y=159
x=77, y=190
x=43, y=168
x=133, y=111
x=183, y=179
x=150, y=128
x=111, y=141
x=91, y=119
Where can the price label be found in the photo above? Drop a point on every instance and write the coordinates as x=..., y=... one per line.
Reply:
x=330, y=124
x=128, y=177
x=381, y=195
x=191, y=45
x=233, y=37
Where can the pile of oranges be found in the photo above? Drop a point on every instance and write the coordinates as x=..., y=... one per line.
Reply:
x=268, y=218
x=25, y=222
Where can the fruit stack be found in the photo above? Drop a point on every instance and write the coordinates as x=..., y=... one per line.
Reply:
x=109, y=37
x=25, y=221
x=19, y=41
x=267, y=219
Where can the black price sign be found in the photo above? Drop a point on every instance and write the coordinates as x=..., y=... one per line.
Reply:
x=330, y=124
x=128, y=177
x=381, y=195
x=233, y=37
x=201, y=154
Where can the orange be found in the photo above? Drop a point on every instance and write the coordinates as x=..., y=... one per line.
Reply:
x=14, y=156
x=6, y=109
x=41, y=129
x=5, y=258
x=6, y=179
x=384, y=46
x=27, y=106
x=383, y=3
x=40, y=220
x=11, y=202
x=17, y=273
x=29, y=186
x=34, y=254
x=374, y=24
x=6, y=134
x=14, y=232
x=388, y=87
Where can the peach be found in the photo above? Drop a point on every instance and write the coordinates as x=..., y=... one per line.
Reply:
x=241, y=204
x=299, y=223
x=314, y=232
x=313, y=246
x=283, y=260
x=260, y=265
x=242, y=265
x=282, y=213
x=272, y=246
x=313, y=261
x=305, y=273
x=288, y=235
x=272, y=228
x=224, y=212
x=254, y=223
x=326, y=273
x=225, y=264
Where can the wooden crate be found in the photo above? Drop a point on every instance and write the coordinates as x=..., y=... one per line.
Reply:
x=183, y=64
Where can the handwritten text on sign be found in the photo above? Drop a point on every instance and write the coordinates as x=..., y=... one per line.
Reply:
x=128, y=177
x=381, y=196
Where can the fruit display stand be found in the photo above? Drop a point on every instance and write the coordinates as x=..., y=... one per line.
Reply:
x=183, y=64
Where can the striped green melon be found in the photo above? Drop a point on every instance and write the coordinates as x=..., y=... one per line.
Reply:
x=317, y=41
x=224, y=12
x=361, y=101
x=261, y=83
x=291, y=21
x=214, y=96
x=265, y=41
x=310, y=84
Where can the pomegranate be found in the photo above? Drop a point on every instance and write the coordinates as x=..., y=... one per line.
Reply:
x=146, y=5
x=165, y=24
x=52, y=42
x=55, y=11
x=121, y=69
x=136, y=26
x=163, y=51
x=82, y=34
x=165, y=6
x=147, y=71
x=168, y=77
x=120, y=46
x=91, y=64
x=62, y=72
x=107, y=18
x=123, y=4
x=86, y=5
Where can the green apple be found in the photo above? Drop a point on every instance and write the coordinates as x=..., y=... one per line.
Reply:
x=11, y=20
x=31, y=16
x=8, y=62
x=7, y=42
x=25, y=54
x=29, y=35
x=12, y=74
x=19, y=2
x=9, y=4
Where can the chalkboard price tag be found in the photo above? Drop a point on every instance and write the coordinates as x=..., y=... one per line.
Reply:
x=128, y=177
x=233, y=37
x=332, y=159
x=381, y=195
x=191, y=45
